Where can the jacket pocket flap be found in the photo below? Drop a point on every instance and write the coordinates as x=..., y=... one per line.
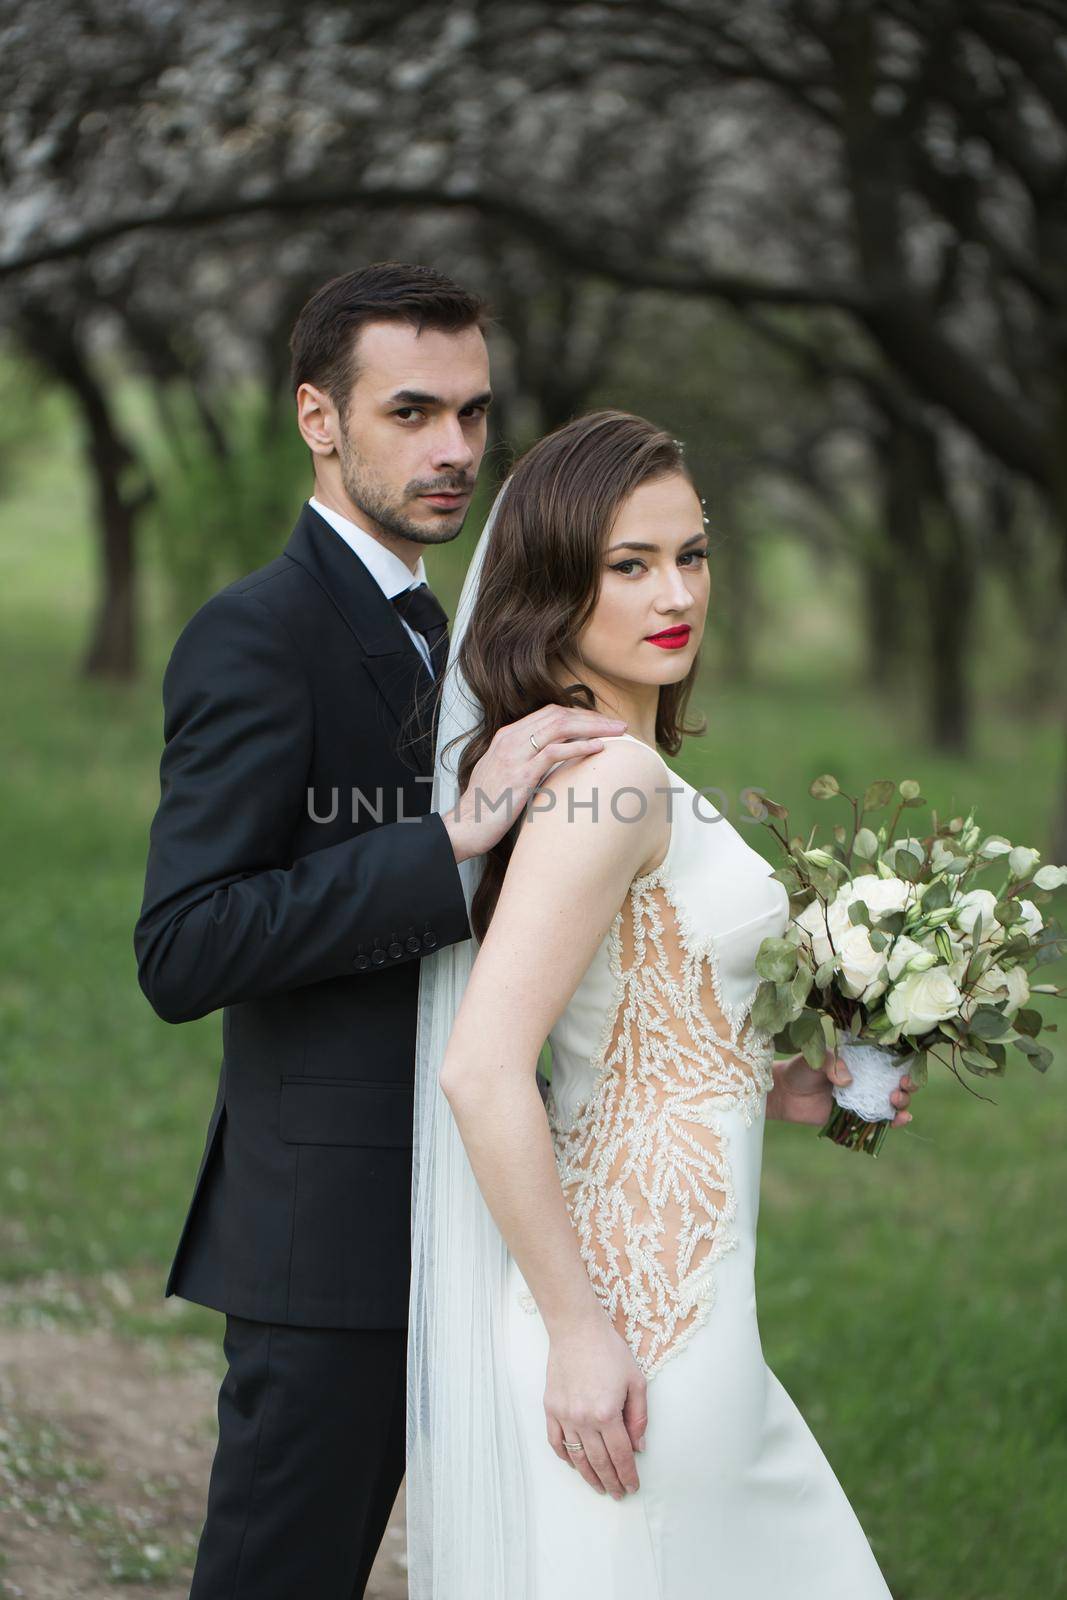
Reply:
x=346, y=1111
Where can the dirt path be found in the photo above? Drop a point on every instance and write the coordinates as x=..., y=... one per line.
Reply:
x=105, y=1449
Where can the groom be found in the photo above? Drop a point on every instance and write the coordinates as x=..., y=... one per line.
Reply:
x=295, y=878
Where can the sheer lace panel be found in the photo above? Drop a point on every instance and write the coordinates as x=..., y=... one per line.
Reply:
x=643, y=1165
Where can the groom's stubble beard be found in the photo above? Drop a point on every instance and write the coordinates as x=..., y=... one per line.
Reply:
x=375, y=500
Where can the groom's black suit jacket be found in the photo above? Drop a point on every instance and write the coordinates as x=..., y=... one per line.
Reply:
x=307, y=933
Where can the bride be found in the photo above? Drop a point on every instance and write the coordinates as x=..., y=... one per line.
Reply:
x=590, y=1416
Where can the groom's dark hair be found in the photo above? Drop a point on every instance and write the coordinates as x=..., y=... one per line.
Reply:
x=323, y=342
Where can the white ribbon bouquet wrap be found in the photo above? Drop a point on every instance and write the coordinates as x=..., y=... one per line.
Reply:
x=876, y=1072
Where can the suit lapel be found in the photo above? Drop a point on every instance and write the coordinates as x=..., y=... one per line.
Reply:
x=390, y=656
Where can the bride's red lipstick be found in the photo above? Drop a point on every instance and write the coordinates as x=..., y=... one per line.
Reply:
x=671, y=638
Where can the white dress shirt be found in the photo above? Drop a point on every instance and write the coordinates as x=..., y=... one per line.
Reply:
x=391, y=574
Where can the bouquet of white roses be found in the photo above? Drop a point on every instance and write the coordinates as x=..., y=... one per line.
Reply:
x=895, y=956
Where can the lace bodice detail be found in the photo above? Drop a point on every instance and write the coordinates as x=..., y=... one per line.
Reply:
x=641, y=1153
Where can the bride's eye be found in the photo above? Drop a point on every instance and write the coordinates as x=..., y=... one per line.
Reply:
x=621, y=566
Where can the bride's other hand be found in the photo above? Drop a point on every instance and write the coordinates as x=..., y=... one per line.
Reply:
x=596, y=1395
x=802, y=1094
x=512, y=766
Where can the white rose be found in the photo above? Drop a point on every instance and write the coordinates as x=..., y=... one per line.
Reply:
x=861, y=964
x=814, y=923
x=921, y=1000
x=1031, y=922
x=902, y=951
x=967, y=908
x=879, y=894
x=995, y=985
x=990, y=987
x=1018, y=985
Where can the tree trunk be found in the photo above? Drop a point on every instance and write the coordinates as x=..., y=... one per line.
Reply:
x=731, y=585
x=882, y=634
x=950, y=595
x=113, y=647
x=896, y=557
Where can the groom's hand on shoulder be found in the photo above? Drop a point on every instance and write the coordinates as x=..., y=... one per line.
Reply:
x=515, y=764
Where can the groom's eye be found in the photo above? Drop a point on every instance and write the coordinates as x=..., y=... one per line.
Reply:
x=407, y=411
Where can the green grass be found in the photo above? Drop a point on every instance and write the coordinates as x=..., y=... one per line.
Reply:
x=913, y=1306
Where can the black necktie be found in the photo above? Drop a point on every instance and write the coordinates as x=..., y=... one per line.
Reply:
x=421, y=610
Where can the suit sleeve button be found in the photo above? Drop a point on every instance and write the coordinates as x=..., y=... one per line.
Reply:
x=429, y=940
x=361, y=963
x=396, y=949
x=413, y=945
x=378, y=956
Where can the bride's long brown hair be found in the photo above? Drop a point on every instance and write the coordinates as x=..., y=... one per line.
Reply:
x=539, y=585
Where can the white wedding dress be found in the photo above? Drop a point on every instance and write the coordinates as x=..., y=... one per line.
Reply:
x=656, y=1107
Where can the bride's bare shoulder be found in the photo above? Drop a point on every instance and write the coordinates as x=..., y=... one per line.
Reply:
x=625, y=781
x=622, y=759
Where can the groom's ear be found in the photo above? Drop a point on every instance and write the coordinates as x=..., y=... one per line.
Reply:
x=317, y=419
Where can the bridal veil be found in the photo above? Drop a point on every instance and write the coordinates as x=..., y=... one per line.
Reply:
x=466, y=1503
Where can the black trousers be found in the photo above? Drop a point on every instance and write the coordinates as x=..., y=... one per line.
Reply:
x=309, y=1461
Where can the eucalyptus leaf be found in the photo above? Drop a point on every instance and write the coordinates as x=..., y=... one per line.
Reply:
x=976, y=966
x=814, y=1051
x=1036, y=1054
x=980, y=1068
x=769, y=1013
x=825, y=972
x=776, y=959
x=789, y=877
x=824, y=787
x=937, y=896
x=908, y=866
x=988, y=1023
x=878, y=794
x=800, y=985
x=917, y=1068
x=865, y=844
